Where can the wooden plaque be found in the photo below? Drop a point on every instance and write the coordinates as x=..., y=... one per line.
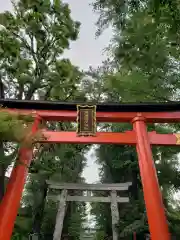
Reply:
x=86, y=120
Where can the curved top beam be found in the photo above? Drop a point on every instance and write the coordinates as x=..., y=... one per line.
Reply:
x=101, y=107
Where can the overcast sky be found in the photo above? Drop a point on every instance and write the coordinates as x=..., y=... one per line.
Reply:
x=85, y=52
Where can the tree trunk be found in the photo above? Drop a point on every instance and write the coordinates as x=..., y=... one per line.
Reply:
x=134, y=188
x=135, y=184
x=2, y=166
x=2, y=178
x=39, y=211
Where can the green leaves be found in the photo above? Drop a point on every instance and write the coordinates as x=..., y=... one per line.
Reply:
x=144, y=68
x=32, y=41
x=31, y=44
x=145, y=48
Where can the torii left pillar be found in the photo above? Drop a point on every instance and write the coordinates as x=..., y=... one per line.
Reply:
x=11, y=200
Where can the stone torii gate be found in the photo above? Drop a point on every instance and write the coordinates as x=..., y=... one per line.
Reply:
x=63, y=198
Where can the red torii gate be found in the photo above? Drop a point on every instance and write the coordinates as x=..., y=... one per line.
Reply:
x=137, y=114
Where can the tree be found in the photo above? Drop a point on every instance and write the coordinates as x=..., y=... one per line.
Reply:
x=145, y=62
x=64, y=164
x=145, y=48
x=33, y=39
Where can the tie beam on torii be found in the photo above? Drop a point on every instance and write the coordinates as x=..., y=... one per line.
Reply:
x=137, y=114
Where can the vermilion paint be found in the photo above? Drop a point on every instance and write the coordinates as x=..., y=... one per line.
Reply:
x=64, y=115
x=11, y=201
x=139, y=137
x=128, y=137
x=153, y=200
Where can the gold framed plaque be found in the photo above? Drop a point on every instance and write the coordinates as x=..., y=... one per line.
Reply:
x=177, y=138
x=86, y=120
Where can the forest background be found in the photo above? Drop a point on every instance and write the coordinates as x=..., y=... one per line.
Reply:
x=142, y=64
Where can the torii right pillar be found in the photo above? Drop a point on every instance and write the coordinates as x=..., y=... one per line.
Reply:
x=157, y=221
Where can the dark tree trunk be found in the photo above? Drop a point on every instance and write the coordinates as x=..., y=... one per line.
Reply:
x=39, y=211
x=2, y=179
x=135, y=184
x=2, y=166
x=134, y=188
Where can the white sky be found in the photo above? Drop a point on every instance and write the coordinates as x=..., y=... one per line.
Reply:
x=86, y=51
